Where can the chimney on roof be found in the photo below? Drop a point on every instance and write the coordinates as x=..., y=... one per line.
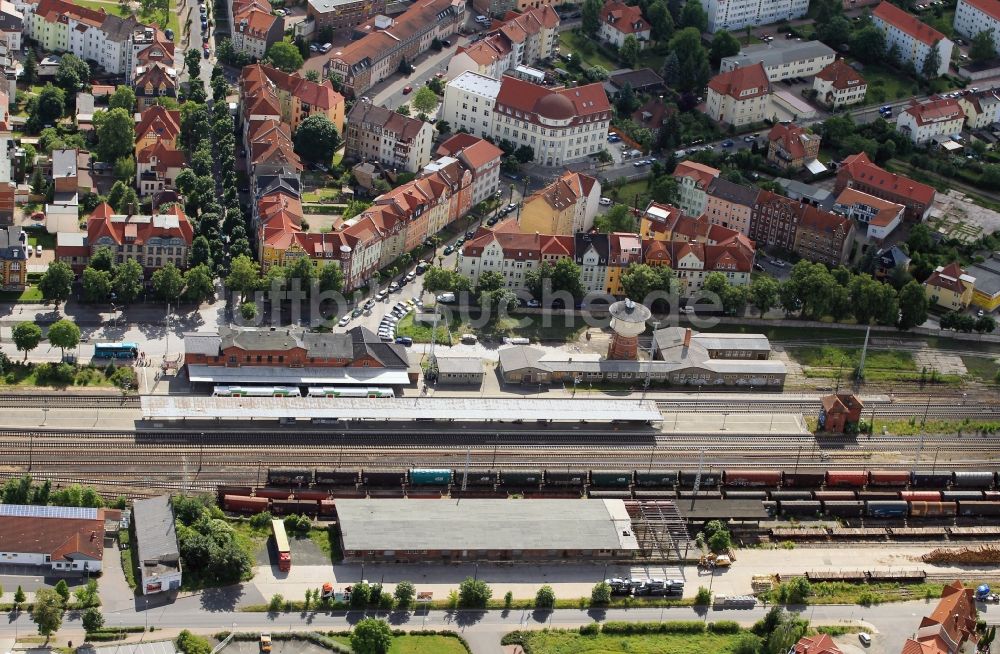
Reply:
x=687, y=337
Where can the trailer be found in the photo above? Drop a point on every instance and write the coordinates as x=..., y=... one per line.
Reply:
x=281, y=545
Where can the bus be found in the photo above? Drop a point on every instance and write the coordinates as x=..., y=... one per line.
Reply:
x=281, y=545
x=338, y=391
x=256, y=391
x=116, y=351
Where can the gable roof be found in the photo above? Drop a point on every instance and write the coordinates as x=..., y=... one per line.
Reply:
x=907, y=23
x=887, y=211
x=818, y=644
x=365, y=114
x=722, y=188
x=473, y=151
x=791, y=138
x=935, y=111
x=860, y=168
x=841, y=76
x=989, y=7
x=103, y=222
x=565, y=191
x=64, y=539
x=743, y=83
x=162, y=122
x=312, y=93
x=702, y=174
x=623, y=18
x=950, y=277
x=517, y=27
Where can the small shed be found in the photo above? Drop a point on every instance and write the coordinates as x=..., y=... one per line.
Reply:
x=460, y=371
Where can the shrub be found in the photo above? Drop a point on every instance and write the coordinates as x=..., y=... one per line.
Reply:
x=508, y=599
x=545, y=598
x=360, y=594
x=601, y=593
x=591, y=629
x=704, y=596
x=724, y=627
x=404, y=594
x=261, y=520
x=638, y=628
x=277, y=603
x=124, y=378
x=188, y=643
x=474, y=594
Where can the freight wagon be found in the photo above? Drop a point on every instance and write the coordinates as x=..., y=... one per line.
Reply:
x=521, y=478
x=289, y=476
x=430, y=477
x=241, y=504
x=610, y=478
x=846, y=478
x=981, y=480
x=747, y=478
x=656, y=478
x=566, y=478
x=709, y=479
x=799, y=508
x=383, y=478
x=844, y=508
x=922, y=509
x=940, y=480
x=888, y=478
x=788, y=495
x=804, y=479
x=325, y=477
x=886, y=509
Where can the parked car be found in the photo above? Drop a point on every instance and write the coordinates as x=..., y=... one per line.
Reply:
x=404, y=340
x=393, y=287
x=448, y=249
x=369, y=304
x=534, y=304
x=865, y=639
x=407, y=90
x=605, y=202
x=343, y=321
x=728, y=143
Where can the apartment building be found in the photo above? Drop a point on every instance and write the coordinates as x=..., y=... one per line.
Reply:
x=981, y=109
x=936, y=118
x=783, y=58
x=468, y=103
x=663, y=222
x=730, y=204
x=911, y=39
x=975, y=16
x=565, y=207
x=255, y=28
x=153, y=82
x=156, y=168
x=11, y=25
x=521, y=40
x=839, y=85
x=338, y=14
x=157, y=123
x=791, y=146
x=693, y=262
x=949, y=287
x=13, y=260
x=388, y=41
x=97, y=36
x=502, y=7
x=823, y=237
x=399, y=142
x=880, y=217
x=619, y=20
x=290, y=96
x=693, y=180
x=510, y=253
x=773, y=220
x=857, y=171
x=735, y=15
x=739, y=97
x=481, y=158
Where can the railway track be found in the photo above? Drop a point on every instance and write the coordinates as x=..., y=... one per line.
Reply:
x=67, y=400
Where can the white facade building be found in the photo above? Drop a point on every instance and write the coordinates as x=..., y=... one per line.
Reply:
x=56, y=538
x=912, y=39
x=975, y=16
x=783, y=59
x=468, y=103
x=739, y=97
x=922, y=121
x=735, y=15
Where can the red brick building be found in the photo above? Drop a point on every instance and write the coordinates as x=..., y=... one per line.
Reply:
x=840, y=410
x=858, y=171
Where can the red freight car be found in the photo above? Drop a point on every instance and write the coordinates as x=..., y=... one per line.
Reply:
x=932, y=509
x=889, y=478
x=920, y=496
x=273, y=493
x=243, y=504
x=771, y=478
x=850, y=478
x=311, y=495
x=288, y=507
x=804, y=479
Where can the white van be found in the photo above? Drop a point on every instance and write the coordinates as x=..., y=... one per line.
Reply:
x=326, y=47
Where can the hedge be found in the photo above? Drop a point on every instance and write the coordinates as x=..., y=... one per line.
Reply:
x=724, y=627
x=635, y=628
x=104, y=636
x=323, y=639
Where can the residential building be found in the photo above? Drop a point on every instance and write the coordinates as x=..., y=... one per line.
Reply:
x=652, y=115
x=468, y=103
x=502, y=7
x=663, y=222
x=949, y=287
x=13, y=260
x=154, y=82
x=975, y=16
x=735, y=15
x=624, y=250
x=11, y=25
x=156, y=544
x=255, y=28
x=592, y=252
x=839, y=410
x=730, y=205
x=153, y=241
x=693, y=262
x=981, y=109
x=924, y=121
x=949, y=627
x=157, y=124
x=642, y=80
x=619, y=20
x=911, y=39
x=65, y=173
x=270, y=151
x=738, y=97
x=881, y=217
x=55, y=538
x=512, y=254
x=791, y=146
x=294, y=97
x=888, y=260
x=149, y=47
x=565, y=207
x=481, y=157
x=839, y=85
x=97, y=36
x=398, y=142
x=520, y=40
x=782, y=58
x=693, y=180
x=823, y=237
x=858, y=171
x=386, y=42
x=7, y=185
x=338, y=14
x=986, y=294
x=157, y=166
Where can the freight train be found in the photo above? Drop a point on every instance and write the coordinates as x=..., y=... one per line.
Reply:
x=881, y=484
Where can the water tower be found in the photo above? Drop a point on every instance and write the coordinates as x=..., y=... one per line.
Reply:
x=628, y=320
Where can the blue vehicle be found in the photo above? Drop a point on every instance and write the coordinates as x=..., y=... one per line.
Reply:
x=885, y=111
x=116, y=351
x=430, y=477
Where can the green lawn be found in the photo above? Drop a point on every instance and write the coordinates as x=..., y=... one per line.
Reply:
x=128, y=565
x=43, y=238
x=832, y=356
x=567, y=642
x=886, y=84
x=982, y=367
x=417, y=644
x=327, y=541
x=29, y=294
x=421, y=332
x=535, y=327
x=588, y=51
x=113, y=8
x=628, y=193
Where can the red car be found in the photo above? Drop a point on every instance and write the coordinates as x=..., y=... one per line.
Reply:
x=407, y=90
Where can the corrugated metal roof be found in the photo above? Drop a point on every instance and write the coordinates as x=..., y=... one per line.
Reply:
x=155, y=534
x=296, y=376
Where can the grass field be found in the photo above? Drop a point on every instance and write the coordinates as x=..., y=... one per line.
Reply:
x=981, y=367
x=832, y=356
x=535, y=327
x=112, y=7
x=327, y=541
x=885, y=84
x=586, y=49
x=29, y=294
x=415, y=644
x=627, y=194
x=566, y=642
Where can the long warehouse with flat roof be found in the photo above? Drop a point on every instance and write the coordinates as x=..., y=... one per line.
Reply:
x=406, y=530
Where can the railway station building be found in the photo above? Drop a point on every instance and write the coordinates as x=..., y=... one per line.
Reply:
x=406, y=530
x=55, y=538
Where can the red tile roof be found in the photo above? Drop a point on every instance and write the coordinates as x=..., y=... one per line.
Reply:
x=623, y=18
x=313, y=93
x=156, y=76
x=60, y=538
x=472, y=150
x=742, y=83
x=376, y=43
x=907, y=23
x=534, y=101
x=860, y=168
x=947, y=277
x=258, y=23
x=515, y=246
x=172, y=223
x=701, y=173
x=791, y=138
x=566, y=190
x=166, y=157
x=841, y=76
x=822, y=643
x=887, y=211
x=935, y=111
x=487, y=51
x=989, y=7
x=517, y=27
x=163, y=122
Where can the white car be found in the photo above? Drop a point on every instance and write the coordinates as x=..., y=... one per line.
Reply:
x=38, y=250
x=865, y=639
x=605, y=202
x=343, y=321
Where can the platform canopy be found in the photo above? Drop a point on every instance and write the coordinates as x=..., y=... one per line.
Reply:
x=472, y=409
x=343, y=376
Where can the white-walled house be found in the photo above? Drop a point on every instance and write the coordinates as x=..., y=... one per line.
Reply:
x=911, y=39
x=54, y=538
x=922, y=121
x=975, y=16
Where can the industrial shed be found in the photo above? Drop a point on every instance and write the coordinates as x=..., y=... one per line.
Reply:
x=459, y=371
x=156, y=542
x=407, y=530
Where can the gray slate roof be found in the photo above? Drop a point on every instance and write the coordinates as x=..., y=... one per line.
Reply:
x=776, y=53
x=732, y=192
x=459, y=365
x=155, y=534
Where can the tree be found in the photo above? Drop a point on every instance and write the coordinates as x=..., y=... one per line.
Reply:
x=424, y=100
x=188, y=643
x=660, y=20
x=92, y=620
x=672, y=69
x=404, y=594
x=243, y=275
x=285, y=56
x=932, y=61
x=312, y=76
x=248, y=311
x=693, y=15
x=26, y=337
x=122, y=98
x=524, y=154
x=591, y=16
x=724, y=45
x=124, y=168
x=64, y=334
x=665, y=190
x=693, y=71
x=96, y=284
x=73, y=73
x=474, y=593
x=30, y=67
x=62, y=589
x=330, y=277
x=19, y=596
x=56, y=283
x=115, y=135
x=835, y=32
x=123, y=198
x=618, y=219
x=192, y=60
x=168, y=282
x=982, y=46
x=871, y=300
x=629, y=52
x=640, y=281
x=764, y=293
x=127, y=281
x=50, y=107
x=371, y=636
x=545, y=598
x=732, y=297
x=561, y=276
x=198, y=284
x=868, y=44
x=316, y=139
x=47, y=611
x=600, y=594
